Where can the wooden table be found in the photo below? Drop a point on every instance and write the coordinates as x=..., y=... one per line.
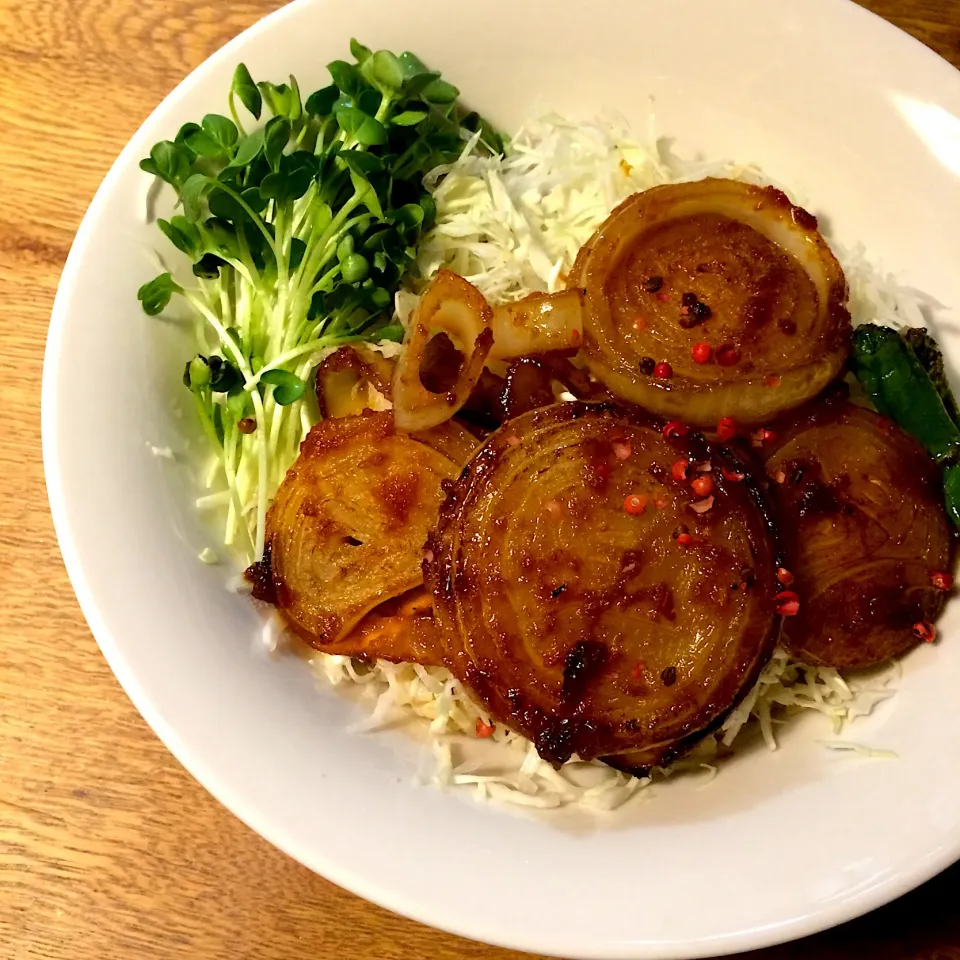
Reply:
x=108, y=849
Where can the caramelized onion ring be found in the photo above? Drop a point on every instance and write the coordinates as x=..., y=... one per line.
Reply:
x=455, y=307
x=347, y=527
x=579, y=619
x=719, y=262
x=861, y=509
x=539, y=323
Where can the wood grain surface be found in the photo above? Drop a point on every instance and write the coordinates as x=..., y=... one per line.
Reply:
x=108, y=849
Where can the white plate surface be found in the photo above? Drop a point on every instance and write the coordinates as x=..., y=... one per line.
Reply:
x=864, y=122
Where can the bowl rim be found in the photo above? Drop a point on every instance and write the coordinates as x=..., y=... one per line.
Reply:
x=870, y=898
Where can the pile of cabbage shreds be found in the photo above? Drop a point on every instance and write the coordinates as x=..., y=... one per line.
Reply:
x=513, y=225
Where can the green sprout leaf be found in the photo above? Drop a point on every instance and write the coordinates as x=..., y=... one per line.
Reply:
x=362, y=162
x=283, y=100
x=320, y=103
x=204, y=145
x=408, y=118
x=220, y=237
x=221, y=129
x=347, y=77
x=287, y=387
x=192, y=194
x=412, y=65
x=239, y=405
x=155, y=294
x=169, y=161
x=225, y=206
x=246, y=90
x=248, y=151
x=185, y=131
x=182, y=234
x=439, y=91
x=358, y=51
x=292, y=179
x=345, y=247
x=363, y=128
x=387, y=71
x=366, y=195
x=276, y=136
x=410, y=215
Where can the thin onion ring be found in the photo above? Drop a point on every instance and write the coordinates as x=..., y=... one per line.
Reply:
x=455, y=307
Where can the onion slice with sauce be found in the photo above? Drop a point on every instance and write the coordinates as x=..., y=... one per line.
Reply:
x=583, y=603
x=352, y=379
x=401, y=630
x=347, y=527
x=452, y=306
x=723, y=263
x=861, y=511
x=539, y=323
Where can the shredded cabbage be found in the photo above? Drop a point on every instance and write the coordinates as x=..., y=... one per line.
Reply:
x=512, y=226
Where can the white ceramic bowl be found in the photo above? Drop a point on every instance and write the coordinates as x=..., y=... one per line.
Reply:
x=863, y=120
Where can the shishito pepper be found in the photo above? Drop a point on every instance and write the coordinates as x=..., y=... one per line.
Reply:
x=901, y=388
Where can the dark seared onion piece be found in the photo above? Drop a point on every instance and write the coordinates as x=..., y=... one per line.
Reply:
x=346, y=529
x=720, y=262
x=861, y=512
x=589, y=629
x=528, y=384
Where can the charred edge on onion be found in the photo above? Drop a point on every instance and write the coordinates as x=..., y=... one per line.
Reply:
x=582, y=664
x=260, y=576
x=734, y=463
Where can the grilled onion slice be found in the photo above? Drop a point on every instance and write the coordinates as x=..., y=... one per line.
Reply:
x=720, y=262
x=584, y=623
x=347, y=527
x=353, y=379
x=452, y=439
x=401, y=630
x=452, y=306
x=540, y=323
x=861, y=510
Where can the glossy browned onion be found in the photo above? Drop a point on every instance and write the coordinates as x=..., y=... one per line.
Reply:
x=347, y=527
x=539, y=323
x=401, y=630
x=452, y=439
x=452, y=306
x=353, y=379
x=777, y=325
x=861, y=512
x=587, y=628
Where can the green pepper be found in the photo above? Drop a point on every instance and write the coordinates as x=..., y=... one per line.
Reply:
x=902, y=390
x=951, y=492
x=901, y=387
